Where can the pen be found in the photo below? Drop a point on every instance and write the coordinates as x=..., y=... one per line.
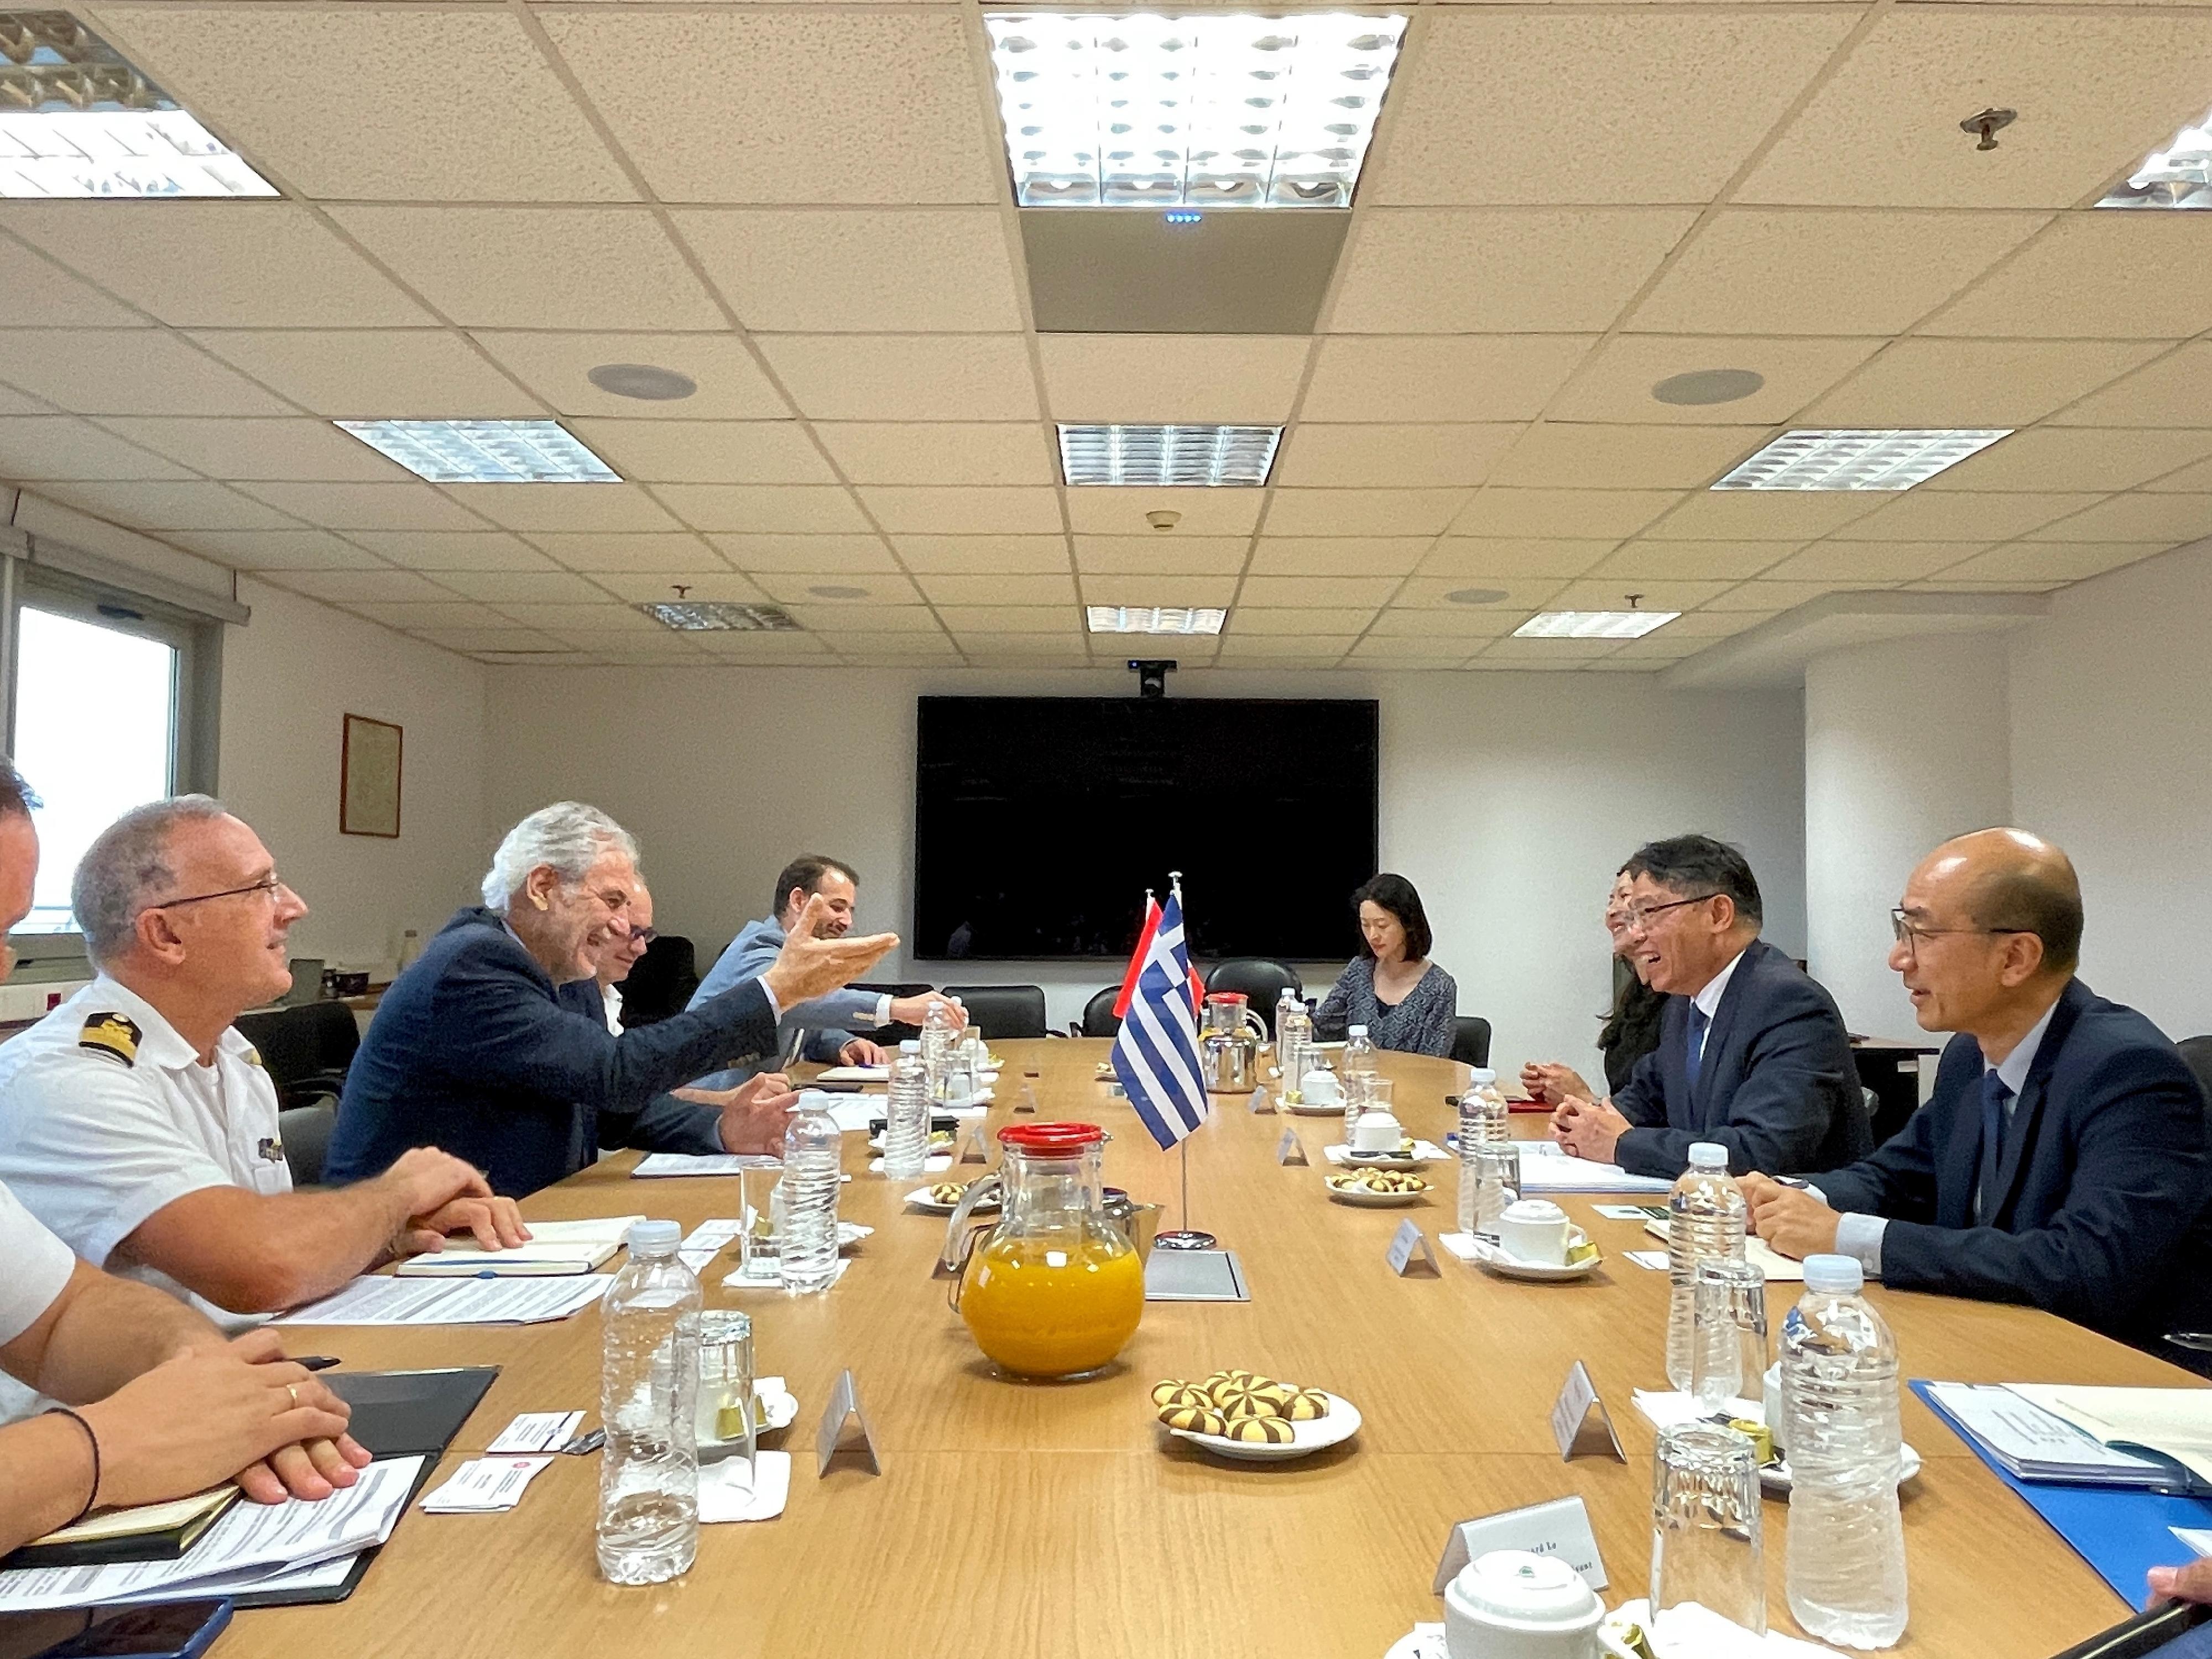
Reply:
x=317, y=1362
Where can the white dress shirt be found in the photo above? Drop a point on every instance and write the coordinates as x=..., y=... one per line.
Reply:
x=39, y=1265
x=1708, y=999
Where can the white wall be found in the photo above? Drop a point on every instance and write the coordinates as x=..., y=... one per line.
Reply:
x=2112, y=758
x=288, y=679
x=1508, y=799
x=1905, y=746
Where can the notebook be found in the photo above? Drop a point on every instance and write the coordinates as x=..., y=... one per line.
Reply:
x=146, y=1532
x=555, y=1247
x=2169, y=1427
x=1778, y=1268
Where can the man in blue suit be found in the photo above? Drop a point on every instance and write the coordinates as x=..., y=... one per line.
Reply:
x=2062, y=1160
x=1752, y=1056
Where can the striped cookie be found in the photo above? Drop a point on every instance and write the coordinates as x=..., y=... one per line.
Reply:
x=1262, y=1430
x=1180, y=1394
x=1306, y=1405
x=1197, y=1418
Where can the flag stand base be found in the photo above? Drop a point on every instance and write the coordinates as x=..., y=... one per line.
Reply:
x=1184, y=1239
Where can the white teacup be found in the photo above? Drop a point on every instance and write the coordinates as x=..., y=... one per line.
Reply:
x=1534, y=1230
x=1376, y=1132
x=1318, y=1087
x=1510, y=1605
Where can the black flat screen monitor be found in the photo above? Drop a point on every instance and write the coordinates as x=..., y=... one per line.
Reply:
x=1039, y=822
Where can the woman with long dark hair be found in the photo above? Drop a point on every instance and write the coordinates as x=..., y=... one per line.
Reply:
x=1405, y=1001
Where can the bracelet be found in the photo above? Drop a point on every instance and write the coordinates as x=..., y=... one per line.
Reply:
x=92, y=1499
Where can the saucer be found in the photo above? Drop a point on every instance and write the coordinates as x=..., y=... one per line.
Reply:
x=1307, y=1438
x=1305, y=1108
x=1364, y=1198
x=1774, y=1478
x=1506, y=1265
x=921, y=1199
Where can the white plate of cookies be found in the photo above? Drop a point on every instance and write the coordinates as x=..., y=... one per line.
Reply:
x=943, y=1197
x=1250, y=1418
x=1376, y=1189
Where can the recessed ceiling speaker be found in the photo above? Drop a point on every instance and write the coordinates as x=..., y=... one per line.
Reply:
x=1477, y=595
x=1709, y=385
x=642, y=380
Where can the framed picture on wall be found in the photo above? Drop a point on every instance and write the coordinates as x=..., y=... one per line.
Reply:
x=368, y=778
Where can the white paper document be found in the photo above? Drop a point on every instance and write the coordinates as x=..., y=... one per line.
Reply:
x=2038, y=1444
x=2197, y=1538
x=723, y=1495
x=1778, y=1268
x=1547, y=1166
x=483, y=1486
x=701, y=1164
x=856, y=1074
x=252, y=1546
x=382, y=1301
x=537, y=1431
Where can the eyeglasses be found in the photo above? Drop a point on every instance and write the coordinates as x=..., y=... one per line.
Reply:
x=1910, y=933
x=1639, y=916
x=643, y=937
x=271, y=885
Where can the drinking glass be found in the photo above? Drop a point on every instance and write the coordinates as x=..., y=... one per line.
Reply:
x=1706, y=1543
x=1495, y=1168
x=727, y=1413
x=1376, y=1091
x=1728, y=1347
x=1352, y=1085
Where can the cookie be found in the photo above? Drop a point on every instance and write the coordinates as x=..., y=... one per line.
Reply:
x=1197, y=1418
x=1305, y=1404
x=1180, y=1394
x=1262, y=1431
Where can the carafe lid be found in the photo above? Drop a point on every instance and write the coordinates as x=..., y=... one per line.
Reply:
x=1051, y=1140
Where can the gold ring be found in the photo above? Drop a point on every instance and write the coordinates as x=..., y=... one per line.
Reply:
x=293, y=1389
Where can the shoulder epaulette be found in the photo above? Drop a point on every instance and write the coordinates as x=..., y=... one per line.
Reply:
x=111, y=1034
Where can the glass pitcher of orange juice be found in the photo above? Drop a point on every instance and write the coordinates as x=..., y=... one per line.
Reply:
x=1054, y=1290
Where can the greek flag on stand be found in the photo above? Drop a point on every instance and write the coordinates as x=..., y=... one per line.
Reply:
x=1156, y=1055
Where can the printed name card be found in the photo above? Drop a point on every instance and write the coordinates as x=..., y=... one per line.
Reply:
x=845, y=1428
x=1028, y=1101
x=1409, y=1253
x=1560, y=1527
x=1580, y=1422
x=1287, y=1150
x=1262, y=1104
x=972, y=1149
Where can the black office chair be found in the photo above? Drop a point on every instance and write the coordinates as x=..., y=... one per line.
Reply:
x=1003, y=1011
x=661, y=981
x=892, y=1035
x=2197, y=1051
x=305, y=1133
x=1262, y=982
x=2195, y=1345
x=1470, y=1040
x=1098, y=1019
x=305, y=1049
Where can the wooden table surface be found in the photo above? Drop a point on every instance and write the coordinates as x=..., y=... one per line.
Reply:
x=1023, y=1519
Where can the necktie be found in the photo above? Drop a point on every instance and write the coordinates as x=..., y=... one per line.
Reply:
x=1694, y=1057
x=1994, y=1094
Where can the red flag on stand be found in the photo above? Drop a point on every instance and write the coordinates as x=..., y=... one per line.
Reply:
x=1137, y=964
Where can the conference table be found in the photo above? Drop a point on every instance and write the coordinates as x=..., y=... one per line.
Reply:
x=1015, y=1518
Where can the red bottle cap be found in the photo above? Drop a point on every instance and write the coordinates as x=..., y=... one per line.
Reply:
x=1052, y=1139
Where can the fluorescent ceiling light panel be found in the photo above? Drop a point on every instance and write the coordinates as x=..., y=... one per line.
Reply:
x=2178, y=176
x=1225, y=110
x=1223, y=455
x=1855, y=459
x=701, y=616
x=1153, y=619
x=484, y=451
x=76, y=119
x=1593, y=624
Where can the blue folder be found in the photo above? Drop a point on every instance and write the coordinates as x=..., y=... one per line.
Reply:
x=2122, y=1532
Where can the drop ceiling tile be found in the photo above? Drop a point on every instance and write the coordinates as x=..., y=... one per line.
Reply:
x=1316, y=590
x=1030, y=555
x=1322, y=648
x=2189, y=479
x=36, y=447
x=788, y=509
x=348, y=587
x=653, y=646
x=381, y=102
x=1653, y=651
x=873, y=270
x=276, y=549
x=1492, y=270
x=1391, y=457
x=1562, y=513
x=2100, y=93
x=707, y=452
x=2133, y=276
x=523, y=586
x=1519, y=598
x=609, y=616
x=538, y=267
x=1695, y=560
x=2087, y=460
x=837, y=106
x=1435, y=625
x=905, y=377
x=126, y=371
x=369, y=505
x=942, y=452
x=556, y=366
x=261, y=449
x=1237, y=379
x=2138, y=518
x=1013, y=617
x=2044, y=562
x=1363, y=512
x=1062, y=646
x=1556, y=104
x=1197, y=556
x=1105, y=510
x=469, y=640
x=1335, y=556
x=1544, y=654
x=1763, y=515
x=414, y=616
x=1616, y=385
x=372, y=373
x=1514, y=556
x=1409, y=653
x=14, y=403
x=1770, y=597
x=848, y=554
x=220, y=263
x=1710, y=624
x=1156, y=587
x=1604, y=594
x=1872, y=562
x=1306, y=622
x=1764, y=270
x=919, y=653
x=1414, y=378
x=567, y=507
x=41, y=294
x=648, y=551
x=171, y=506
x=1959, y=517
x=2176, y=391
x=1949, y=585
x=981, y=510
x=1924, y=382
x=1056, y=589
x=1643, y=456
x=886, y=593
x=739, y=648
x=871, y=622
x=452, y=549
x=708, y=584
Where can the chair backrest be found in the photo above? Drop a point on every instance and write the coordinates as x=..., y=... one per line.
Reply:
x=1470, y=1040
x=1098, y=1014
x=2197, y=1051
x=306, y=1048
x=661, y=981
x=1261, y=981
x=306, y=1133
x=1003, y=1011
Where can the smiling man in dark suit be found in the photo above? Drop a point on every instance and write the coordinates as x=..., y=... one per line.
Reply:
x=2062, y=1160
x=1752, y=1054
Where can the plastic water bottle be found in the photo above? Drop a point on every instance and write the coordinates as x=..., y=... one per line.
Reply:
x=1357, y=1065
x=813, y=1161
x=1846, y=1579
x=906, y=1126
x=1705, y=1215
x=1287, y=1004
x=1486, y=1104
x=1470, y=1136
x=939, y=1033
x=648, y=1525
